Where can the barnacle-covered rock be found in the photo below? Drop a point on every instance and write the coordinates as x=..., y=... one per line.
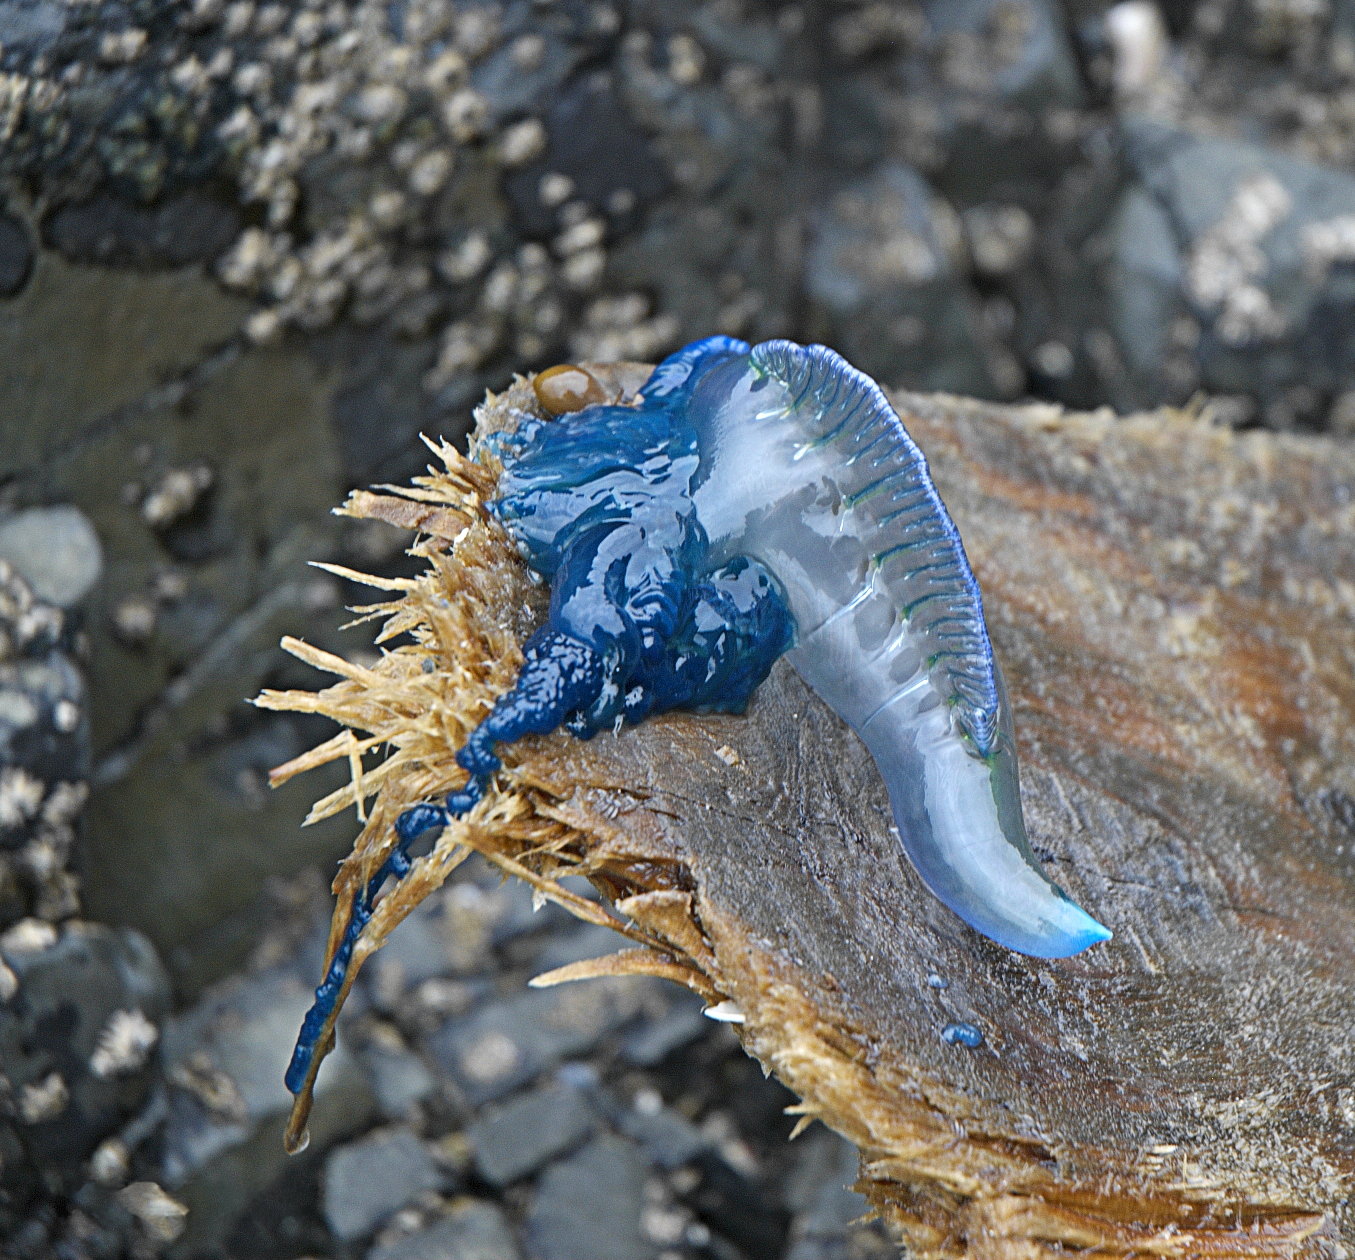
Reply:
x=80, y=1014
x=44, y=740
x=1178, y=659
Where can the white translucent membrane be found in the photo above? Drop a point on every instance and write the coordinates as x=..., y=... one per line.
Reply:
x=786, y=479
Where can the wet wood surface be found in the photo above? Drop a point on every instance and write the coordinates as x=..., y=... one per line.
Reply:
x=1174, y=606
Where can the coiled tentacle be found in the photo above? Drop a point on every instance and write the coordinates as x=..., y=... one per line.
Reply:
x=757, y=501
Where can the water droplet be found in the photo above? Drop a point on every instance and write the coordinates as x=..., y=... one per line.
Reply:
x=962, y=1035
x=938, y=982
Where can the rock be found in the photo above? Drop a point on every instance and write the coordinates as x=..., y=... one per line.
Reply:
x=16, y=256
x=79, y=1022
x=224, y=1060
x=111, y=232
x=596, y=146
x=55, y=550
x=401, y=1080
x=515, y=1139
x=472, y=1230
x=582, y=940
x=1264, y=245
x=731, y=1203
x=1014, y=50
x=430, y=943
x=44, y=756
x=1002, y=74
x=668, y=1138
x=564, y=1221
x=44, y=746
x=513, y=1040
x=663, y=1034
x=31, y=26
x=455, y=932
x=1145, y=296
x=367, y=1181
x=884, y=275
x=828, y=1222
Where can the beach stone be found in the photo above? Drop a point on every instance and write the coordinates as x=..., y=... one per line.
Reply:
x=509, y=1042
x=651, y=1042
x=669, y=1139
x=471, y=1230
x=224, y=1060
x=828, y=1213
x=883, y=274
x=516, y=1138
x=108, y=231
x=1146, y=294
x=1265, y=244
x=16, y=256
x=79, y=1026
x=55, y=550
x=1022, y=46
x=564, y=1221
x=367, y=1181
x=401, y=1080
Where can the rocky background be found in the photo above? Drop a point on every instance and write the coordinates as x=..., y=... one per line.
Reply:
x=248, y=252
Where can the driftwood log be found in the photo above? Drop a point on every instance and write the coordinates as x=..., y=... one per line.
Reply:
x=1174, y=605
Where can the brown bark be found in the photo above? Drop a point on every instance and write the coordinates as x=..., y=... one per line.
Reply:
x=1174, y=606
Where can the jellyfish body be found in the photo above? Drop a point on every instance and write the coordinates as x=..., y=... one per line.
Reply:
x=755, y=502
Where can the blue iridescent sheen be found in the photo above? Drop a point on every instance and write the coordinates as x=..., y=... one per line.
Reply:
x=754, y=502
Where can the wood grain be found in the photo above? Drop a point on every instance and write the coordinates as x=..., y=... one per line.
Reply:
x=1174, y=605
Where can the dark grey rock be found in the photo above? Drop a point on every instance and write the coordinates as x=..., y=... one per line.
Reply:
x=78, y=1032
x=224, y=1060
x=1146, y=294
x=1019, y=49
x=663, y=1034
x=513, y=913
x=516, y=1138
x=16, y=253
x=471, y=1230
x=595, y=144
x=732, y=1204
x=828, y=1221
x=55, y=550
x=381, y=406
x=401, y=1080
x=421, y=950
x=998, y=75
x=453, y=932
x=31, y=26
x=588, y=1207
x=513, y=1041
x=44, y=756
x=43, y=735
x=1266, y=247
x=109, y=231
x=367, y=1181
x=884, y=275
x=512, y=84
x=669, y=1139
x=576, y=943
